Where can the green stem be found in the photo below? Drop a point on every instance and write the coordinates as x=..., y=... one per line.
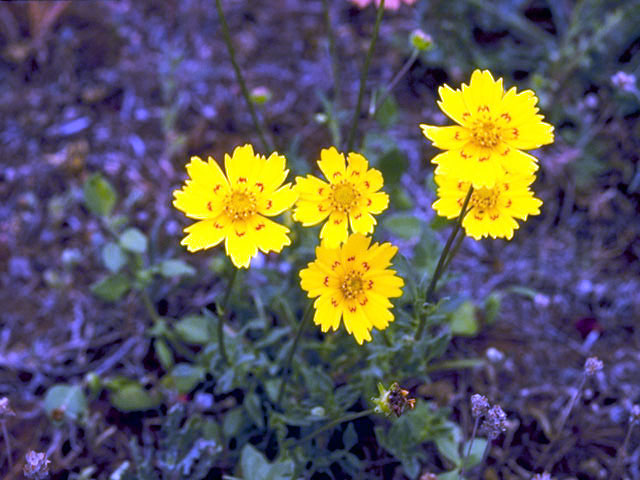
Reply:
x=454, y=251
x=401, y=73
x=363, y=79
x=466, y=456
x=305, y=319
x=222, y=313
x=333, y=423
x=5, y=433
x=240, y=78
x=332, y=52
x=440, y=267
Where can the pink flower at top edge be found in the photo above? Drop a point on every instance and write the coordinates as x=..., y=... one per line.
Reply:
x=388, y=4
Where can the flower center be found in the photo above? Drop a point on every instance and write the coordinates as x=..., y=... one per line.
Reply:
x=352, y=285
x=240, y=205
x=343, y=196
x=485, y=133
x=484, y=199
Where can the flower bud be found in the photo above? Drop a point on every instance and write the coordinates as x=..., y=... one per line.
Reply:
x=260, y=95
x=394, y=400
x=420, y=40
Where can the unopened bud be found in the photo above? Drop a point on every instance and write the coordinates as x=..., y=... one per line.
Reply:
x=260, y=95
x=420, y=40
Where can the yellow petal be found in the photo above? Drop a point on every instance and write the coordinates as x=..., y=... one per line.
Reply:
x=372, y=180
x=529, y=135
x=332, y=164
x=446, y=138
x=274, y=172
x=268, y=235
x=357, y=166
x=207, y=175
x=376, y=203
x=197, y=203
x=277, y=202
x=240, y=244
x=452, y=104
x=242, y=166
x=484, y=94
x=328, y=313
x=362, y=222
x=205, y=234
x=356, y=323
x=334, y=231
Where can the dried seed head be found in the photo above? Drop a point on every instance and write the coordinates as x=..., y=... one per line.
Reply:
x=393, y=400
x=495, y=422
x=592, y=366
x=479, y=405
x=37, y=465
x=5, y=408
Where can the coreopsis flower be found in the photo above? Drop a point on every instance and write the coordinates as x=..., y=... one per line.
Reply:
x=493, y=210
x=388, y=4
x=494, y=127
x=349, y=199
x=352, y=283
x=234, y=207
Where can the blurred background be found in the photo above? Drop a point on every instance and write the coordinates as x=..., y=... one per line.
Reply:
x=131, y=89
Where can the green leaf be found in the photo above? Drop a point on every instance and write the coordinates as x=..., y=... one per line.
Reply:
x=464, y=321
x=387, y=113
x=254, y=465
x=133, y=398
x=111, y=288
x=113, y=257
x=403, y=226
x=253, y=407
x=392, y=165
x=233, y=422
x=99, y=195
x=183, y=377
x=176, y=268
x=448, y=443
x=349, y=437
x=477, y=452
x=452, y=475
x=133, y=240
x=65, y=401
x=164, y=353
x=492, y=306
x=194, y=329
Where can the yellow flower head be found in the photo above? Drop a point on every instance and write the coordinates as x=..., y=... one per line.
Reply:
x=234, y=207
x=494, y=127
x=352, y=282
x=350, y=197
x=493, y=210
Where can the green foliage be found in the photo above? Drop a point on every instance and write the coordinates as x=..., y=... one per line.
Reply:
x=65, y=402
x=99, y=195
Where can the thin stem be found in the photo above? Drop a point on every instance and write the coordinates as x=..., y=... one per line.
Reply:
x=333, y=423
x=441, y=266
x=363, y=79
x=401, y=73
x=562, y=421
x=222, y=313
x=332, y=51
x=5, y=433
x=466, y=456
x=623, y=450
x=305, y=319
x=240, y=78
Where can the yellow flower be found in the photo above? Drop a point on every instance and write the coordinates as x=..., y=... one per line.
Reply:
x=494, y=127
x=493, y=210
x=349, y=199
x=234, y=207
x=352, y=282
